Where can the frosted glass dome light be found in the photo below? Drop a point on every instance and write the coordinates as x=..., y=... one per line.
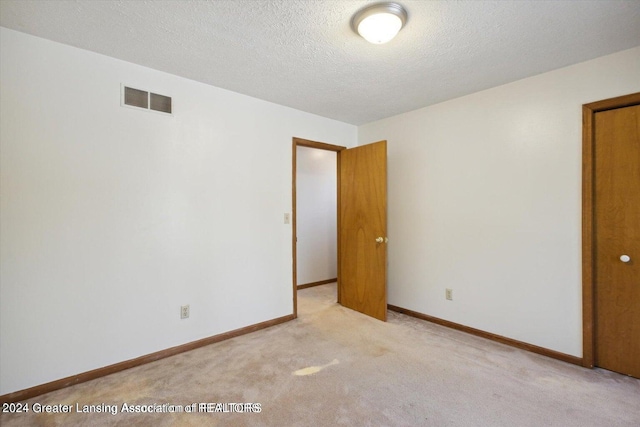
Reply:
x=379, y=23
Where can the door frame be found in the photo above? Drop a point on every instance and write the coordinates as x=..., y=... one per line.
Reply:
x=299, y=142
x=588, y=245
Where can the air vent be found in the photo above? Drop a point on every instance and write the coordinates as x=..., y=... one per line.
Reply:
x=160, y=103
x=136, y=98
x=147, y=100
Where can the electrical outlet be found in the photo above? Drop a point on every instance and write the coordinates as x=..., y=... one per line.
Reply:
x=449, y=294
x=287, y=218
x=184, y=311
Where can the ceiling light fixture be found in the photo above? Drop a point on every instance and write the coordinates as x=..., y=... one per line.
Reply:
x=379, y=23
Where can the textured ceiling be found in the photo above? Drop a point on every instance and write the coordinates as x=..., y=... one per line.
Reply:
x=303, y=54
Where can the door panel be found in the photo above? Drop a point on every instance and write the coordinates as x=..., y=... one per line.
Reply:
x=362, y=216
x=617, y=233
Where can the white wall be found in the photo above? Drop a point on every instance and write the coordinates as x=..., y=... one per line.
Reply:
x=316, y=215
x=111, y=217
x=485, y=198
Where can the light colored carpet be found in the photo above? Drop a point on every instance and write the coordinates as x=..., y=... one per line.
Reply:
x=405, y=372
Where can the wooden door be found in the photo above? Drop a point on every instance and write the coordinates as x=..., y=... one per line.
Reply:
x=362, y=224
x=617, y=240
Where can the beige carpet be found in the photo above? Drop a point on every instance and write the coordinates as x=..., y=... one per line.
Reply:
x=336, y=367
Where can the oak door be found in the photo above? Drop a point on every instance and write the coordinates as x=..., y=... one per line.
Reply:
x=617, y=240
x=362, y=224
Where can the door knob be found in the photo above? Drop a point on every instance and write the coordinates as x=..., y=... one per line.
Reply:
x=379, y=239
x=625, y=258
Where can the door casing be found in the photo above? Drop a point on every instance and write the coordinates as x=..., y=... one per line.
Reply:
x=588, y=225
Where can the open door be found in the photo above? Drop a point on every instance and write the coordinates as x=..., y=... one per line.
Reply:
x=362, y=229
x=617, y=239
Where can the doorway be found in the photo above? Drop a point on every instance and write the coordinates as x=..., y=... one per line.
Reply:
x=361, y=226
x=321, y=147
x=611, y=234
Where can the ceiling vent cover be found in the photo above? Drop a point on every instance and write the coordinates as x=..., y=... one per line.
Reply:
x=147, y=100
